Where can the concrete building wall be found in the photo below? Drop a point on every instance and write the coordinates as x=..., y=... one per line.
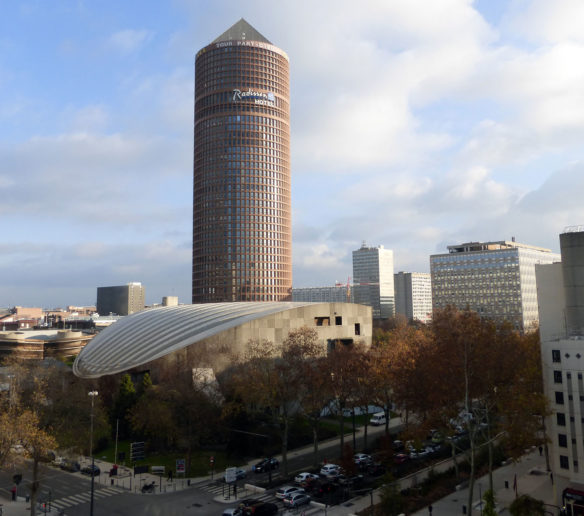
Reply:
x=562, y=350
x=335, y=323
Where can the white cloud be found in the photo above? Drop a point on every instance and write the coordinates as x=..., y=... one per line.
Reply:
x=129, y=40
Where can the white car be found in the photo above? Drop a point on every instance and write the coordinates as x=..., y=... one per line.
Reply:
x=330, y=470
x=286, y=491
x=362, y=458
x=303, y=477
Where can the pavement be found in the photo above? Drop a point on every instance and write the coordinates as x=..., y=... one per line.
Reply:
x=530, y=474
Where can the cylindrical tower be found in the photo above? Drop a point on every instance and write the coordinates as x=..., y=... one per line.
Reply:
x=242, y=234
x=572, y=246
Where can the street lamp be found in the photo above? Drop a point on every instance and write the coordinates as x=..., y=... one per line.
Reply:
x=92, y=394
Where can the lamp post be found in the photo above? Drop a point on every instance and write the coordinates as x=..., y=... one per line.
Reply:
x=92, y=394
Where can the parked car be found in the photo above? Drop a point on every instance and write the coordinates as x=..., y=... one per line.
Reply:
x=232, y=511
x=352, y=481
x=377, y=419
x=266, y=464
x=398, y=445
x=240, y=474
x=91, y=470
x=261, y=509
x=330, y=470
x=400, y=458
x=376, y=470
x=362, y=458
x=285, y=491
x=303, y=477
x=326, y=488
x=296, y=499
x=70, y=465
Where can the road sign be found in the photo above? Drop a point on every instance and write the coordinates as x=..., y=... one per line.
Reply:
x=230, y=475
x=212, y=460
x=180, y=466
x=137, y=451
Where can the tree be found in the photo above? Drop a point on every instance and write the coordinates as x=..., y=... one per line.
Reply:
x=37, y=443
x=525, y=505
x=274, y=377
x=341, y=366
x=123, y=403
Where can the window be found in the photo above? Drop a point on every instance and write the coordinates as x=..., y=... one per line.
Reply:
x=569, y=376
x=357, y=329
x=564, y=462
x=556, y=357
x=322, y=321
x=579, y=376
x=561, y=419
x=562, y=440
x=338, y=320
x=559, y=398
x=557, y=376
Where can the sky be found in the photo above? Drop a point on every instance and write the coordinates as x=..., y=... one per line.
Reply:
x=416, y=124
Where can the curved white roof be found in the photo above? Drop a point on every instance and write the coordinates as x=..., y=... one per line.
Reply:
x=150, y=334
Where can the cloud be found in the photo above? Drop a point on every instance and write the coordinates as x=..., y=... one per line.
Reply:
x=129, y=41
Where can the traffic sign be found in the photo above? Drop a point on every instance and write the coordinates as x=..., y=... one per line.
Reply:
x=230, y=475
x=137, y=451
x=180, y=466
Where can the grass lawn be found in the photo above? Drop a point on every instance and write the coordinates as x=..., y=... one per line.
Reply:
x=200, y=459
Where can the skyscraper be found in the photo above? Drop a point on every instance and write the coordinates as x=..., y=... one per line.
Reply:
x=373, y=280
x=242, y=235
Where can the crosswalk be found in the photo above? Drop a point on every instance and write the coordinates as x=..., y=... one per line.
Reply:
x=222, y=489
x=85, y=497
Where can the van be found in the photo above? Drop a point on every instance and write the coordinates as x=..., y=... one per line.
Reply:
x=377, y=419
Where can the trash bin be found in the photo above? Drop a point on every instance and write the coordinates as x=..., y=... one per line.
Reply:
x=464, y=509
x=188, y=481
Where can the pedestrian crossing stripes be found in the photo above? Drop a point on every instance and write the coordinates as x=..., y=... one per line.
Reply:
x=85, y=497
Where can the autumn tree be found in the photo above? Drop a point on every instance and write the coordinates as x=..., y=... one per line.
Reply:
x=274, y=377
x=314, y=396
x=341, y=367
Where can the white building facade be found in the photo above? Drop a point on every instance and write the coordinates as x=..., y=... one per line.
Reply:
x=373, y=280
x=413, y=295
x=495, y=279
x=560, y=289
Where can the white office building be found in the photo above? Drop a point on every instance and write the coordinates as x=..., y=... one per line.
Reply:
x=373, y=280
x=413, y=295
x=560, y=290
x=495, y=279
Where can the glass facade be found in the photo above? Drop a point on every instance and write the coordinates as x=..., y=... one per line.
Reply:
x=242, y=237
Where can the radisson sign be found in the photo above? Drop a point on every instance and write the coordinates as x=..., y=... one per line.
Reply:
x=263, y=99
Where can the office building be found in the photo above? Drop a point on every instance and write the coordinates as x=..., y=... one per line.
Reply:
x=413, y=295
x=373, y=280
x=560, y=291
x=338, y=294
x=121, y=300
x=495, y=279
x=242, y=234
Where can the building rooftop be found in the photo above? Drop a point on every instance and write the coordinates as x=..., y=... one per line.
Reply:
x=241, y=31
x=492, y=246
